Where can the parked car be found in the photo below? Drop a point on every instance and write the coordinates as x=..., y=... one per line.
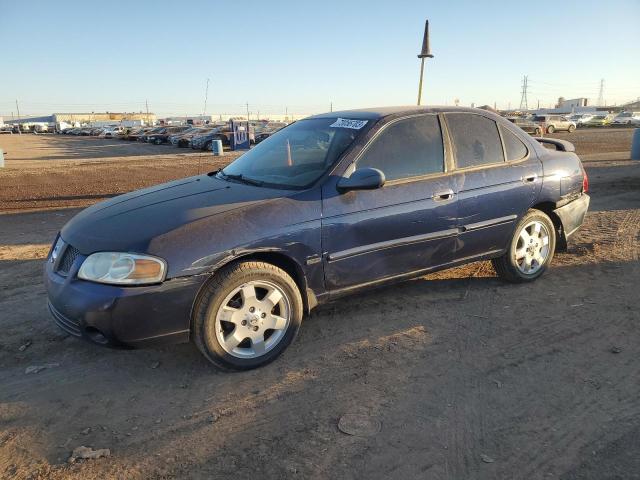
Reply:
x=598, y=121
x=110, y=132
x=160, y=138
x=142, y=137
x=175, y=138
x=526, y=125
x=626, y=118
x=551, y=123
x=331, y=205
x=204, y=141
x=137, y=133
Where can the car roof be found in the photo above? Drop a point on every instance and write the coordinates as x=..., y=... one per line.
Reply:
x=381, y=112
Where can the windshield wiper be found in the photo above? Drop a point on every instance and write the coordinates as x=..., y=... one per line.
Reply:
x=241, y=178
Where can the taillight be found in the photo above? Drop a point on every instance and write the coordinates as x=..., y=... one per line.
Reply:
x=585, y=181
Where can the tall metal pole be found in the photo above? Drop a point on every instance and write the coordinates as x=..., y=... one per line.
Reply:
x=206, y=96
x=424, y=53
x=19, y=125
x=420, y=83
x=247, y=111
x=147, y=104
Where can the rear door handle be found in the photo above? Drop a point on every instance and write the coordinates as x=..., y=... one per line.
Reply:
x=442, y=196
x=529, y=178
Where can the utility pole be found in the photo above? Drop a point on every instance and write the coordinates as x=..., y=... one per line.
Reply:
x=331, y=107
x=424, y=53
x=147, y=104
x=247, y=111
x=523, y=99
x=286, y=113
x=206, y=96
x=601, y=93
x=19, y=125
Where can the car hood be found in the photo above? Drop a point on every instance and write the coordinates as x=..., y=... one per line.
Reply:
x=132, y=221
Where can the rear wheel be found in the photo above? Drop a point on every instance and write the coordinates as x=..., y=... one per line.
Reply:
x=538, y=131
x=247, y=315
x=530, y=251
x=551, y=129
x=571, y=128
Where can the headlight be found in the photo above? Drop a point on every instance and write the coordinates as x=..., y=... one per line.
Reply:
x=122, y=268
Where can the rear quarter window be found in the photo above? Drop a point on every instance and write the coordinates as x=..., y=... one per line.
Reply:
x=513, y=146
x=475, y=139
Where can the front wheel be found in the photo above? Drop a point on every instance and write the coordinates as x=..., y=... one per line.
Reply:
x=247, y=315
x=530, y=251
x=551, y=129
x=538, y=131
x=571, y=129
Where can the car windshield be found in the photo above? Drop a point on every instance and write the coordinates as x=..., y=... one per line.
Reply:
x=296, y=156
x=539, y=119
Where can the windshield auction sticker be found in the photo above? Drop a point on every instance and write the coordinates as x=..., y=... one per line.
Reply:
x=346, y=123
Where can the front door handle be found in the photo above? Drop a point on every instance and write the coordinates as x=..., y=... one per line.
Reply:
x=442, y=196
x=529, y=178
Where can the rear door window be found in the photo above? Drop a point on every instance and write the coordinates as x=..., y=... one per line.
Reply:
x=475, y=139
x=513, y=146
x=407, y=148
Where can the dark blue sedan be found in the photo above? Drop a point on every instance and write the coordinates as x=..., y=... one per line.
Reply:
x=327, y=206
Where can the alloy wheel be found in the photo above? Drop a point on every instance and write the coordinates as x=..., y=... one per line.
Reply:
x=532, y=247
x=252, y=319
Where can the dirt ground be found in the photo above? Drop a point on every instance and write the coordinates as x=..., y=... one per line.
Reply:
x=460, y=375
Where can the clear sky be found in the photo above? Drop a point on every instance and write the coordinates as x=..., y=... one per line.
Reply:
x=301, y=55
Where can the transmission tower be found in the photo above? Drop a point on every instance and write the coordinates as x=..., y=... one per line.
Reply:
x=601, y=93
x=523, y=100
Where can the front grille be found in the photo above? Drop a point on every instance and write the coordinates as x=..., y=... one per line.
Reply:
x=68, y=325
x=68, y=257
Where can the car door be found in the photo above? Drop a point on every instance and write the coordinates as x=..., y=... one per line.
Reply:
x=497, y=179
x=407, y=225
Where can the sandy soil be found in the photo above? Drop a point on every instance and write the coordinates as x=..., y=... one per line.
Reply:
x=465, y=376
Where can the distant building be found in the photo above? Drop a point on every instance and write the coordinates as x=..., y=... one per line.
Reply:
x=572, y=103
x=86, y=118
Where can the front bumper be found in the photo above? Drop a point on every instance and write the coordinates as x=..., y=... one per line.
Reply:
x=121, y=316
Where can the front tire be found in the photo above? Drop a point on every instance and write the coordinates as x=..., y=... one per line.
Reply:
x=551, y=129
x=247, y=315
x=530, y=251
x=571, y=129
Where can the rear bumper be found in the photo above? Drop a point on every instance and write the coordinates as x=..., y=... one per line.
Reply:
x=572, y=215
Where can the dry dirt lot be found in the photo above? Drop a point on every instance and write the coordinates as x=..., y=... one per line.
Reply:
x=466, y=377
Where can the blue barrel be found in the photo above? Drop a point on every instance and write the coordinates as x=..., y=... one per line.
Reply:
x=216, y=148
x=635, y=145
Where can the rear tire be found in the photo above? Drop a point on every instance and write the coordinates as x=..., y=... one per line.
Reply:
x=231, y=326
x=571, y=129
x=538, y=132
x=530, y=251
x=551, y=129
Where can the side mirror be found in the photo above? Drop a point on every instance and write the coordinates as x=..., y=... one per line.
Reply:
x=362, y=179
